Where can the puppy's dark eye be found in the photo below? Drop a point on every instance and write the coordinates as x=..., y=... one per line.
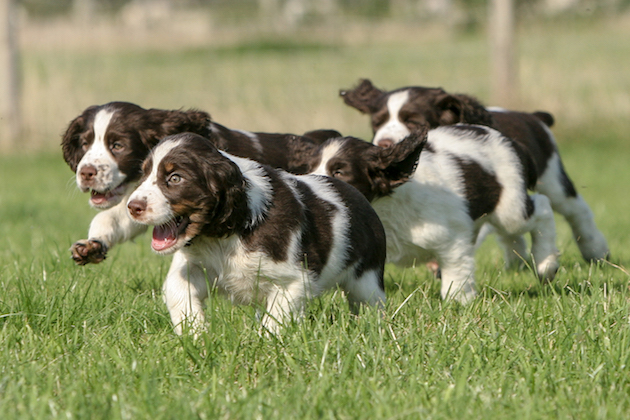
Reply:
x=84, y=145
x=174, y=179
x=337, y=173
x=117, y=147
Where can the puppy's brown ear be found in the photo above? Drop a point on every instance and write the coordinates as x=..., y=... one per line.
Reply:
x=192, y=121
x=398, y=162
x=320, y=136
x=364, y=97
x=71, y=139
x=225, y=190
x=459, y=108
x=403, y=157
x=164, y=123
x=449, y=109
x=474, y=112
x=302, y=154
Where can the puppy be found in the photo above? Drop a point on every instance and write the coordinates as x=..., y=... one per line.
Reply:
x=467, y=175
x=106, y=145
x=259, y=235
x=394, y=114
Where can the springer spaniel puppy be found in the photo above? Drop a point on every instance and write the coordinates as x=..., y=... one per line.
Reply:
x=467, y=175
x=259, y=235
x=106, y=145
x=394, y=114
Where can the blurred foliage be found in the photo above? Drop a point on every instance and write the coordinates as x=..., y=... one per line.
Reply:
x=47, y=8
x=473, y=10
x=371, y=8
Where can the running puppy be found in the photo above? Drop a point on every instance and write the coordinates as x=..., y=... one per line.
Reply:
x=466, y=176
x=259, y=235
x=394, y=114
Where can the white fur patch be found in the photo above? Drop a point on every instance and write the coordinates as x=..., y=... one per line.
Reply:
x=393, y=129
x=259, y=189
x=158, y=209
x=108, y=175
x=329, y=151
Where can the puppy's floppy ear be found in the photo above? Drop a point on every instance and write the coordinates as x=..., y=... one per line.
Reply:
x=70, y=140
x=453, y=109
x=321, y=135
x=364, y=97
x=449, y=109
x=229, y=212
x=192, y=121
x=162, y=123
x=474, y=112
x=398, y=162
x=302, y=153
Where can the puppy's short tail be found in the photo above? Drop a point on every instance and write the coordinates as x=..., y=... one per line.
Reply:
x=545, y=117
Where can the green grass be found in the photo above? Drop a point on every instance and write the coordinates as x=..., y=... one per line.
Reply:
x=96, y=342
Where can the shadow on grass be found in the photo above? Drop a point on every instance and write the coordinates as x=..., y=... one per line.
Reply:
x=602, y=277
x=512, y=284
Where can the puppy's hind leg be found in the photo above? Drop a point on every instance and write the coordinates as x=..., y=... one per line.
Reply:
x=542, y=228
x=557, y=186
x=523, y=213
x=539, y=222
x=457, y=263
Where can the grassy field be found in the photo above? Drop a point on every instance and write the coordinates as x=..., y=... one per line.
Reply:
x=96, y=342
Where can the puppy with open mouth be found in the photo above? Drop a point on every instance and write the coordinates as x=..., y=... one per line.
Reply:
x=259, y=235
x=106, y=145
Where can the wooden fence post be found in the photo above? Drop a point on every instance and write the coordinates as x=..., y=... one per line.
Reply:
x=10, y=124
x=503, y=72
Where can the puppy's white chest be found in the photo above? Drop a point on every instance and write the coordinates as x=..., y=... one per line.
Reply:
x=245, y=277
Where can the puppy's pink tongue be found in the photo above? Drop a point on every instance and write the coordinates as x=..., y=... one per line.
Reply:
x=164, y=236
x=98, y=198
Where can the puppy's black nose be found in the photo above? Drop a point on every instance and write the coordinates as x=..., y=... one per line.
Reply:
x=87, y=173
x=385, y=143
x=137, y=207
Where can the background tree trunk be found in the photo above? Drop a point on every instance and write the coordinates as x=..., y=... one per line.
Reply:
x=10, y=123
x=504, y=89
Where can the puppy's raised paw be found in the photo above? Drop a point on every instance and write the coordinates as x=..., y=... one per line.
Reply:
x=86, y=251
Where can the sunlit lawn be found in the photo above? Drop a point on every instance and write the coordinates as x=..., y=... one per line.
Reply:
x=96, y=341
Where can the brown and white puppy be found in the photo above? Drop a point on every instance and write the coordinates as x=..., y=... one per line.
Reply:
x=394, y=114
x=107, y=144
x=259, y=235
x=467, y=175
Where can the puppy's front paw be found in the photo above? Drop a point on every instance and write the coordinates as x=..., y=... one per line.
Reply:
x=88, y=251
